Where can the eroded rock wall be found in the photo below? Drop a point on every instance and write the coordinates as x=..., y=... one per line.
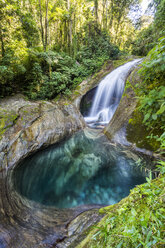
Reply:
x=126, y=106
x=27, y=126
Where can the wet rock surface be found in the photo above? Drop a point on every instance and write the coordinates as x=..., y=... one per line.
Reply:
x=25, y=127
x=86, y=101
x=125, y=108
x=27, y=224
x=126, y=126
x=28, y=126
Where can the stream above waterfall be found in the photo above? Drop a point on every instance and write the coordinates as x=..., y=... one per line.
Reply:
x=85, y=169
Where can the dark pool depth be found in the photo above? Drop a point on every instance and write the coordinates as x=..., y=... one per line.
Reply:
x=80, y=171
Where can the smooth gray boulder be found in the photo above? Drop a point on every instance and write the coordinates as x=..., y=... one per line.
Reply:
x=27, y=126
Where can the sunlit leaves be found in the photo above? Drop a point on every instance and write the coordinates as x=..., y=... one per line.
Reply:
x=138, y=221
x=152, y=91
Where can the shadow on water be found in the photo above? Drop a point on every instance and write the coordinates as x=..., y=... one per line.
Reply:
x=86, y=169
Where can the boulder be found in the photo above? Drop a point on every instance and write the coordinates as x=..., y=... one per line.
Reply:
x=27, y=126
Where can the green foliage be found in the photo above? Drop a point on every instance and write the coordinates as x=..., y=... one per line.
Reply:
x=153, y=107
x=12, y=70
x=152, y=90
x=48, y=74
x=29, y=28
x=51, y=73
x=137, y=221
x=144, y=42
x=159, y=23
x=147, y=37
x=96, y=45
x=44, y=75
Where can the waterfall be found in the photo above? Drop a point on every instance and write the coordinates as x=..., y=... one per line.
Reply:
x=108, y=95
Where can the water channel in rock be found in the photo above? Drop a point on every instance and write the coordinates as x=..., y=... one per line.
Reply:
x=85, y=169
x=107, y=96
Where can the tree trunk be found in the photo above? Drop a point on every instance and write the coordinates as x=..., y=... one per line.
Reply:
x=96, y=11
x=2, y=43
x=61, y=35
x=106, y=13
x=69, y=29
x=75, y=37
x=46, y=26
x=111, y=19
x=42, y=29
x=117, y=30
x=30, y=6
x=70, y=36
x=65, y=36
x=103, y=19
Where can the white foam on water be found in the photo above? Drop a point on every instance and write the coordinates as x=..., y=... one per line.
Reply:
x=108, y=95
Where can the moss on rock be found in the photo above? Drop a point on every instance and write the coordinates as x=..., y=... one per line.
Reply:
x=7, y=119
x=137, y=132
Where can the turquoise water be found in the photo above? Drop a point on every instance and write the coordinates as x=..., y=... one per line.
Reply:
x=81, y=170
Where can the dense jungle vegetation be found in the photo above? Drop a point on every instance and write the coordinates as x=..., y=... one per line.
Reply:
x=48, y=47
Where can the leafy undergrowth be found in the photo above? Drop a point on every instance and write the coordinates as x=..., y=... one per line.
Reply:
x=43, y=75
x=151, y=92
x=136, y=221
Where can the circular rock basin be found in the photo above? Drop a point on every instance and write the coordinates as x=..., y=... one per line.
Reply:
x=82, y=170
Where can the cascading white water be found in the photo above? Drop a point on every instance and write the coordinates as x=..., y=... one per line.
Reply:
x=108, y=95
